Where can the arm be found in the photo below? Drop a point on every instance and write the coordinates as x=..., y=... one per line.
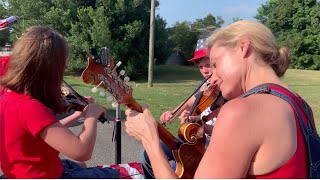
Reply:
x=167, y=116
x=159, y=162
x=69, y=120
x=80, y=147
x=143, y=127
x=231, y=152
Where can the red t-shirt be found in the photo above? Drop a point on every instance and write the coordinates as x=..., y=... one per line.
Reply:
x=4, y=63
x=23, y=153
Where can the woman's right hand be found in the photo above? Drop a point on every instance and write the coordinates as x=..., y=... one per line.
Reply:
x=142, y=126
x=166, y=117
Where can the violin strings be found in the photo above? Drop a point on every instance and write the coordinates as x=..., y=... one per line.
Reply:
x=179, y=108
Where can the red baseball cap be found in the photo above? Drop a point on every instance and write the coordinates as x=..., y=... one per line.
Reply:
x=201, y=50
x=199, y=54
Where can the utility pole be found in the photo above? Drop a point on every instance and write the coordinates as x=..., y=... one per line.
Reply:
x=151, y=44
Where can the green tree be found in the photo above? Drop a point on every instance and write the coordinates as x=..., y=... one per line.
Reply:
x=89, y=31
x=296, y=24
x=208, y=21
x=236, y=19
x=162, y=46
x=121, y=25
x=184, y=35
x=183, y=38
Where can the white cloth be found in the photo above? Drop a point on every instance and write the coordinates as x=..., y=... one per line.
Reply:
x=206, y=113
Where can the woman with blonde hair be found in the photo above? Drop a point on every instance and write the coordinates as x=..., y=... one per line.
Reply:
x=257, y=134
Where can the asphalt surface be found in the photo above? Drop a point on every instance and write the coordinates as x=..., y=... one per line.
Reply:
x=105, y=150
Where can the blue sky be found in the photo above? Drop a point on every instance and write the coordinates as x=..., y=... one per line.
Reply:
x=190, y=10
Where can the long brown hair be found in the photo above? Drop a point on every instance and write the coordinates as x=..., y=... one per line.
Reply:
x=37, y=65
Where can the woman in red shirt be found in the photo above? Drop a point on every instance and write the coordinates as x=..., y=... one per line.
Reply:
x=31, y=135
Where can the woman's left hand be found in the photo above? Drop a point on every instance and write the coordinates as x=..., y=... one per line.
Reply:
x=184, y=117
x=81, y=113
x=142, y=126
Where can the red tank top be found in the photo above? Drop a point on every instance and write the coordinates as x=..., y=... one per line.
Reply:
x=297, y=166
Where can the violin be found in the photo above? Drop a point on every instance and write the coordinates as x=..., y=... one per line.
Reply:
x=206, y=97
x=178, y=110
x=72, y=100
x=193, y=132
x=210, y=97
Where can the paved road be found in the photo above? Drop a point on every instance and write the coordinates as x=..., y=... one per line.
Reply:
x=104, y=151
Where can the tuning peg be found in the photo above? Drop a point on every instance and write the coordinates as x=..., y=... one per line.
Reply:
x=102, y=93
x=122, y=72
x=117, y=65
x=94, y=90
x=114, y=104
x=126, y=79
x=109, y=98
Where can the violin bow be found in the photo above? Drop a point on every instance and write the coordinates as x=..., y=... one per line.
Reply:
x=179, y=108
x=78, y=96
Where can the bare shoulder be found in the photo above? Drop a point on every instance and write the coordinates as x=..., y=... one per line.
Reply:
x=234, y=142
x=242, y=116
x=236, y=108
x=235, y=116
x=254, y=112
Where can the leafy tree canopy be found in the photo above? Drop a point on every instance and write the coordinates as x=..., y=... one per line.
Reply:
x=296, y=24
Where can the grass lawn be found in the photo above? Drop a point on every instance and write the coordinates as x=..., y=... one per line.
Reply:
x=173, y=84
